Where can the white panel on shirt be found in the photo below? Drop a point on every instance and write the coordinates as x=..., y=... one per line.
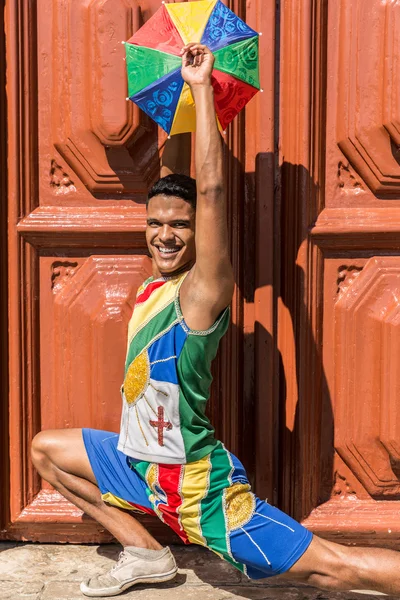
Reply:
x=139, y=438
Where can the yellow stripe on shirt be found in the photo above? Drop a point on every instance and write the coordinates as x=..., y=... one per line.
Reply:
x=159, y=299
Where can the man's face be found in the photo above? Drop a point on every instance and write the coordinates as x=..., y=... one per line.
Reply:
x=170, y=234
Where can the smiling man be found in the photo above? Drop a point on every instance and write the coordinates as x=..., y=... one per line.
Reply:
x=165, y=461
x=171, y=216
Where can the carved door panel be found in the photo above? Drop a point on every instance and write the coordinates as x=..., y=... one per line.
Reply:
x=80, y=161
x=343, y=420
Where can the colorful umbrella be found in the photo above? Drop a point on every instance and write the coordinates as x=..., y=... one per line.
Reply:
x=154, y=64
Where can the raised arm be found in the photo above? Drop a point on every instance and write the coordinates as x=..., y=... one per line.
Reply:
x=208, y=288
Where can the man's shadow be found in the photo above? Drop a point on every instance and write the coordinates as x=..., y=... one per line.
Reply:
x=276, y=477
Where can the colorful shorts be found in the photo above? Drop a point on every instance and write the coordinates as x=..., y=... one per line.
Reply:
x=207, y=502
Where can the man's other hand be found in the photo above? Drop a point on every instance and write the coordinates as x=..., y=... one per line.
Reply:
x=197, y=64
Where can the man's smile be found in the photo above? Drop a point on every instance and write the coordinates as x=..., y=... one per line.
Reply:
x=168, y=251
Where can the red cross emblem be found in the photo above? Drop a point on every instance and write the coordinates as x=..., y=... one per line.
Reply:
x=161, y=424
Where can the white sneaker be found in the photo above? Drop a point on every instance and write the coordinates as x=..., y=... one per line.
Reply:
x=135, y=565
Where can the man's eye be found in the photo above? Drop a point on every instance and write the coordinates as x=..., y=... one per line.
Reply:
x=153, y=224
x=180, y=224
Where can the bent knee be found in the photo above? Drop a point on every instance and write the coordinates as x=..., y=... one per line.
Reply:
x=56, y=450
x=44, y=445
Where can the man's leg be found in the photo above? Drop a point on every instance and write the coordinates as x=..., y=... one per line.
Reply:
x=264, y=542
x=273, y=544
x=331, y=566
x=61, y=459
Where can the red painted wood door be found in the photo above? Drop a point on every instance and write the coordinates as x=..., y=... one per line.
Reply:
x=80, y=160
x=305, y=388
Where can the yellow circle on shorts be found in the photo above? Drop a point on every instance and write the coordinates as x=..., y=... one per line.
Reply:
x=240, y=505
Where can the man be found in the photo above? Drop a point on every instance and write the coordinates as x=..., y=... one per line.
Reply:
x=166, y=461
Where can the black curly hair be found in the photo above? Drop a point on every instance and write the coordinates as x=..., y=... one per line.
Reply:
x=178, y=185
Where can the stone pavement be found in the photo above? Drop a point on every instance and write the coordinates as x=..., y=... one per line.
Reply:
x=53, y=572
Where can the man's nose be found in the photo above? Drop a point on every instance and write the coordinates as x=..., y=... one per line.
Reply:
x=166, y=233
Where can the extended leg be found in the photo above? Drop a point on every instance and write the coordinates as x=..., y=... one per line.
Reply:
x=332, y=566
x=61, y=459
x=262, y=541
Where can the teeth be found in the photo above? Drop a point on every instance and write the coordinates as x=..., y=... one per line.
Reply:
x=167, y=250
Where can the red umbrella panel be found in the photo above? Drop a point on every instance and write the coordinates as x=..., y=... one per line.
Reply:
x=153, y=60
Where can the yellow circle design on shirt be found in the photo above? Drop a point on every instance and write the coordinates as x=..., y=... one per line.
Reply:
x=137, y=378
x=240, y=505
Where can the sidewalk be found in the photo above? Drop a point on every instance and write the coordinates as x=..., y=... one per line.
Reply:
x=53, y=572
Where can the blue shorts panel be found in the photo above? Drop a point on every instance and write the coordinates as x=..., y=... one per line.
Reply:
x=111, y=468
x=270, y=543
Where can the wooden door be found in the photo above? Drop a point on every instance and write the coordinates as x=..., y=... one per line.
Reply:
x=80, y=161
x=305, y=388
x=339, y=298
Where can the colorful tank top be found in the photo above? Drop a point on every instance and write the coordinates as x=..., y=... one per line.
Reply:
x=167, y=379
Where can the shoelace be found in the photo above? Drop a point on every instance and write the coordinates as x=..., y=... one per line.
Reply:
x=121, y=559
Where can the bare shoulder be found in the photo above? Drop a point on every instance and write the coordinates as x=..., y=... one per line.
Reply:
x=202, y=300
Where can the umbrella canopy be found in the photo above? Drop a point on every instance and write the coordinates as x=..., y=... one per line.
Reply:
x=154, y=64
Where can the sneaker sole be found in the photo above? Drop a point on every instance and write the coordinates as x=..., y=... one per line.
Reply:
x=115, y=591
